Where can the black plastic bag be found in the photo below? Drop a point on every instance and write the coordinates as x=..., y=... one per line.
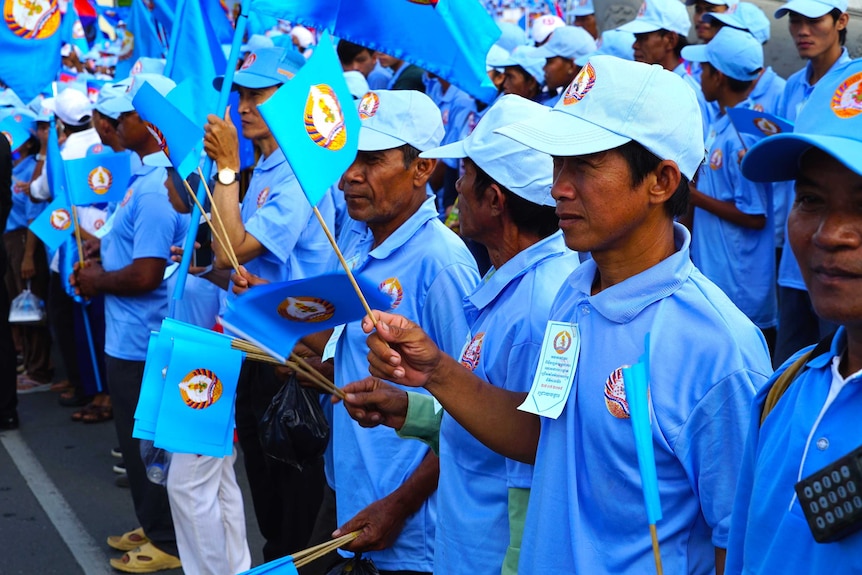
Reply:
x=293, y=429
x=354, y=566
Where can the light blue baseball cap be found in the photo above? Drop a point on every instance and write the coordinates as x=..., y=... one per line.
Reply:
x=512, y=36
x=581, y=8
x=123, y=104
x=567, y=42
x=525, y=57
x=256, y=42
x=612, y=102
x=811, y=8
x=612, y=43
x=524, y=171
x=148, y=66
x=733, y=52
x=391, y=118
x=747, y=16
x=655, y=15
x=264, y=68
x=108, y=92
x=830, y=120
x=17, y=128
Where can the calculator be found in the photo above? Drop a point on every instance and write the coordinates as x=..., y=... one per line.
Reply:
x=831, y=498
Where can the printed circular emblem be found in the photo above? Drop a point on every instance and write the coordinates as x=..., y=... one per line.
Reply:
x=470, y=357
x=757, y=107
x=580, y=86
x=97, y=149
x=100, y=180
x=249, y=60
x=60, y=219
x=847, y=100
x=159, y=137
x=126, y=198
x=562, y=342
x=392, y=288
x=78, y=30
x=306, y=309
x=368, y=105
x=716, y=159
x=766, y=126
x=261, y=197
x=8, y=137
x=32, y=19
x=615, y=395
x=642, y=10
x=98, y=224
x=200, y=389
x=324, y=120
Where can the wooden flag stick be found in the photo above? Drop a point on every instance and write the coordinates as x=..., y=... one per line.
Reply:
x=655, y=550
x=77, y=225
x=303, y=367
x=228, y=251
x=345, y=266
x=227, y=245
x=306, y=556
x=298, y=364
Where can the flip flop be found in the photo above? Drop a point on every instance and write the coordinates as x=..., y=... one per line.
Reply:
x=98, y=414
x=128, y=541
x=146, y=559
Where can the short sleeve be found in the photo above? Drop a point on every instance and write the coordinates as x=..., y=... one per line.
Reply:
x=155, y=226
x=442, y=314
x=278, y=223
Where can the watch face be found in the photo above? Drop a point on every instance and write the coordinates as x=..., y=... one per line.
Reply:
x=226, y=176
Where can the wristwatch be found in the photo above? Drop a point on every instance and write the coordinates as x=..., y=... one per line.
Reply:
x=226, y=176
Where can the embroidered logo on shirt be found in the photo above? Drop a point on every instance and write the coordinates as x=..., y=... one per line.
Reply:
x=470, y=357
x=306, y=309
x=847, y=100
x=324, y=120
x=96, y=149
x=580, y=86
x=32, y=19
x=60, y=219
x=615, y=395
x=98, y=224
x=368, y=105
x=716, y=159
x=261, y=197
x=392, y=288
x=100, y=180
x=200, y=389
x=757, y=108
x=127, y=197
x=562, y=342
x=766, y=126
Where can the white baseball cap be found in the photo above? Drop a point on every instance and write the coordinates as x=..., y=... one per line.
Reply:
x=392, y=118
x=733, y=52
x=522, y=170
x=544, y=25
x=657, y=15
x=812, y=8
x=612, y=102
x=71, y=106
x=568, y=42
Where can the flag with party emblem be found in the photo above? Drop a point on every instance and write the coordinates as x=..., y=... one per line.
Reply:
x=757, y=123
x=98, y=178
x=54, y=224
x=16, y=129
x=152, y=386
x=196, y=412
x=315, y=122
x=276, y=316
x=179, y=138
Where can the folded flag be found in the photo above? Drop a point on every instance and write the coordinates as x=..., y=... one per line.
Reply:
x=315, y=122
x=276, y=316
x=54, y=224
x=152, y=386
x=281, y=566
x=98, y=178
x=757, y=123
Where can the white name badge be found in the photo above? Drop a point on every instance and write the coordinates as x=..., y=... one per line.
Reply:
x=556, y=372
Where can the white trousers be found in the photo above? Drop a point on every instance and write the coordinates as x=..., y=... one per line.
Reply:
x=209, y=520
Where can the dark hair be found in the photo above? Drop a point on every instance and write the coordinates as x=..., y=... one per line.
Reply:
x=527, y=77
x=641, y=163
x=681, y=42
x=842, y=34
x=114, y=122
x=739, y=86
x=408, y=154
x=348, y=51
x=527, y=216
x=74, y=129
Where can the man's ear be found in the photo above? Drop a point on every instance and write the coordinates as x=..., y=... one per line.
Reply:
x=664, y=181
x=496, y=199
x=423, y=168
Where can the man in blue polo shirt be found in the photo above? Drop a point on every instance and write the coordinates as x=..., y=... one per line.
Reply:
x=621, y=168
x=383, y=485
x=819, y=29
x=815, y=421
x=134, y=254
x=506, y=206
x=276, y=236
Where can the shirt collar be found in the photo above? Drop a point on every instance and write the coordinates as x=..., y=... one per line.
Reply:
x=842, y=59
x=427, y=211
x=144, y=169
x=495, y=281
x=623, y=302
x=270, y=161
x=839, y=344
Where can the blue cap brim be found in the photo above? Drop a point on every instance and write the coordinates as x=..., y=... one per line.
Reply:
x=373, y=141
x=246, y=80
x=695, y=53
x=449, y=151
x=776, y=158
x=808, y=8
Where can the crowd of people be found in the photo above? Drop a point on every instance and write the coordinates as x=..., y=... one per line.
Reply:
x=530, y=246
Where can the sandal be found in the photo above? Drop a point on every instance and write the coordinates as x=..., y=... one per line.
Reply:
x=98, y=414
x=146, y=559
x=79, y=415
x=128, y=541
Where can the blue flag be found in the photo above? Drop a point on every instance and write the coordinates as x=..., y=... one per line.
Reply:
x=314, y=121
x=196, y=413
x=56, y=173
x=449, y=38
x=143, y=39
x=163, y=11
x=98, y=178
x=152, y=386
x=276, y=316
x=73, y=30
x=16, y=129
x=180, y=139
x=280, y=566
x=54, y=224
x=757, y=123
x=67, y=256
x=636, y=380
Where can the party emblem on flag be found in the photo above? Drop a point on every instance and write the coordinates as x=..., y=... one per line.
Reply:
x=716, y=159
x=562, y=342
x=767, y=127
x=324, y=120
x=847, y=100
x=615, y=395
x=579, y=87
x=306, y=308
x=368, y=105
x=100, y=180
x=261, y=197
x=159, y=137
x=470, y=357
x=392, y=288
x=200, y=388
x=60, y=219
x=32, y=19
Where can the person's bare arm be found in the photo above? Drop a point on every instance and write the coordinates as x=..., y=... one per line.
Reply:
x=141, y=276
x=720, y=558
